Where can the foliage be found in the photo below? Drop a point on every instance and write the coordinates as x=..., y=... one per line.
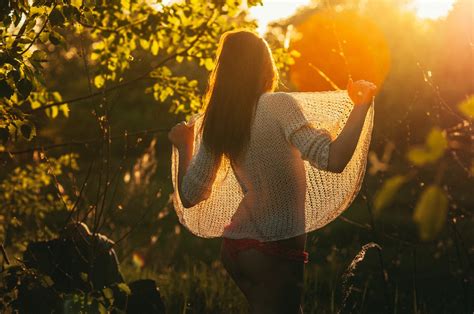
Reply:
x=434, y=148
x=89, y=67
x=431, y=211
x=29, y=195
x=17, y=282
x=432, y=205
x=387, y=192
x=467, y=107
x=119, y=31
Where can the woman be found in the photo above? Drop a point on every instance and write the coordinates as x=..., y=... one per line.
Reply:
x=266, y=138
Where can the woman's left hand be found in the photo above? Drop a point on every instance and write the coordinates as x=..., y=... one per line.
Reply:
x=181, y=135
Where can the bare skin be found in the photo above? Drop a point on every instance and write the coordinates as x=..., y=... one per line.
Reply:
x=273, y=284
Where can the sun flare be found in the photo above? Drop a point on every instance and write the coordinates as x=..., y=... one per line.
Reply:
x=432, y=9
x=273, y=10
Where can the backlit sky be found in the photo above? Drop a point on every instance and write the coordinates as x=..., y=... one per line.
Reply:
x=277, y=9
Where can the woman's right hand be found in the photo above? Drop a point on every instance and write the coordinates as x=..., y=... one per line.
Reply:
x=361, y=92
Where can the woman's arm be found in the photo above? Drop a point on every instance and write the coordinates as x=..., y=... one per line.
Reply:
x=196, y=171
x=182, y=137
x=343, y=147
x=185, y=156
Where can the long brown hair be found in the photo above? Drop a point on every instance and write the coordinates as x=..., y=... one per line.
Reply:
x=244, y=71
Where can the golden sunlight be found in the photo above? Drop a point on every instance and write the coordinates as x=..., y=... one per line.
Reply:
x=432, y=9
x=273, y=10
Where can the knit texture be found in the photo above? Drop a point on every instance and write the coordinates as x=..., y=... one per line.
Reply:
x=280, y=187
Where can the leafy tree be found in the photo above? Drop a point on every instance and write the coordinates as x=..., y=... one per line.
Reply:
x=119, y=29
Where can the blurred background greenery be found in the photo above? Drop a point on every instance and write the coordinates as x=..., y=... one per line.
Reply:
x=90, y=88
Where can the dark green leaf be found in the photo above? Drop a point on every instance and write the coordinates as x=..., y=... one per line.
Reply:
x=4, y=135
x=39, y=56
x=54, y=38
x=5, y=89
x=14, y=75
x=24, y=87
x=28, y=131
x=56, y=17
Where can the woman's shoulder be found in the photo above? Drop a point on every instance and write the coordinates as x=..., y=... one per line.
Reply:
x=275, y=96
x=278, y=101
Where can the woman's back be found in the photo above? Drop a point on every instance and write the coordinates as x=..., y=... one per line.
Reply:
x=278, y=188
x=271, y=173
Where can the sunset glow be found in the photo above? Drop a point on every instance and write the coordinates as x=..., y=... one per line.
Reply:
x=273, y=10
x=432, y=9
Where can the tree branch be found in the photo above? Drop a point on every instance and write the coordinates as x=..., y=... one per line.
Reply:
x=120, y=85
x=86, y=142
x=40, y=31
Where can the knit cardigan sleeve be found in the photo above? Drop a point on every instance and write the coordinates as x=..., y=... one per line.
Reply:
x=200, y=175
x=313, y=143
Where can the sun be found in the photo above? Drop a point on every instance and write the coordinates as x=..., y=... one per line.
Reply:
x=273, y=10
x=432, y=9
x=277, y=9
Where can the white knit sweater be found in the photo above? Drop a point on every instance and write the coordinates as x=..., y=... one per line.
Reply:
x=279, y=188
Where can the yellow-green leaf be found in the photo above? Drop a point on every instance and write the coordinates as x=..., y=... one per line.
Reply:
x=102, y=309
x=467, y=107
x=418, y=156
x=431, y=211
x=54, y=112
x=84, y=277
x=123, y=286
x=65, y=110
x=154, y=48
x=436, y=142
x=99, y=81
x=209, y=64
x=108, y=293
x=145, y=44
x=47, y=281
x=434, y=148
x=385, y=195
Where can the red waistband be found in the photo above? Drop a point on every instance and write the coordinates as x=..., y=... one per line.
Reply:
x=273, y=248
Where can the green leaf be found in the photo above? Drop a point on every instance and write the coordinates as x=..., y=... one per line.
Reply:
x=4, y=135
x=209, y=64
x=108, y=293
x=102, y=309
x=431, y=211
x=99, y=81
x=5, y=89
x=467, y=107
x=155, y=48
x=436, y=142
x=56, y=17
x=65, y=110
x=124, y=287
x=55, y=38
x=434, y=148
x=145, y=44
x=47, y=282
x=385, y=195
x=418, y=156
x=27, y=131
x=24, y=87
x=39, y=56
x=85, y=277
x=52, y=112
